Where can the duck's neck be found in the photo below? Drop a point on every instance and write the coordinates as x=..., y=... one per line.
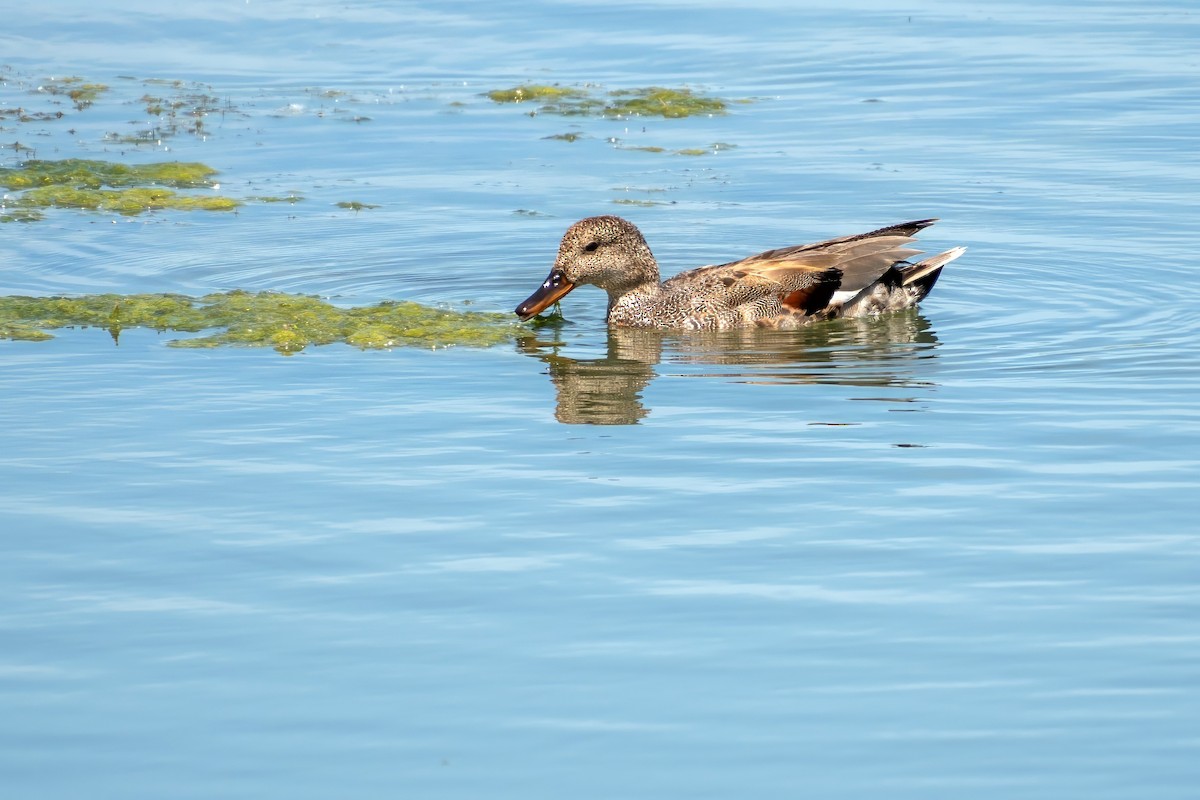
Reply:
x=638, y=273
x=643, y=285
x=629, y=307
x=634, y=280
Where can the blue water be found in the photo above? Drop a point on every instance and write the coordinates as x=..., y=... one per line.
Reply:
x=950, y=553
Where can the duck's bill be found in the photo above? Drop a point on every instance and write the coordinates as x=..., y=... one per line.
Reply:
x=550, y=292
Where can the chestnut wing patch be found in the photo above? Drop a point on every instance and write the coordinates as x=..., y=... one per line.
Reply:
x=816, y=296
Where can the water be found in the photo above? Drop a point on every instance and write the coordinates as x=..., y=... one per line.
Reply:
x=949, y=553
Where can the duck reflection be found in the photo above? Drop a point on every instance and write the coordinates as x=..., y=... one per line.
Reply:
x=599, y=391
x=884, y=351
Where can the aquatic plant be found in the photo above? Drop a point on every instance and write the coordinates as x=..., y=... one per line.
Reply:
x=16, y=214
x=93, y=173
x=530, y=92
x=641, y=203
x=123, y=201
x=184, y=111
x=652, y=101
x=657, y=101
x=713, y=148
x=23, y=115
x=109, y=186
x=287, y=322
x=271, y=198
x=81, y=93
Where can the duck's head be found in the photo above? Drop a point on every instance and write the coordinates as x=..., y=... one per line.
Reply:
x=608, y=252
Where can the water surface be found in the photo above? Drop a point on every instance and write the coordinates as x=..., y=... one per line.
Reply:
x=947, y=553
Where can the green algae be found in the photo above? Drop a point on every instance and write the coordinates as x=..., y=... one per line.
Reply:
x=288, y=323
x=22, y=333
x=289, y=198
x=22, y=115
x=534, y=92
x=173, y=105
x=18, y=214
x=354, y=205
x=329, y=94
x=80, y=93
x=93, y=174
x=123, y=201
x=651, y=101
x=155, y=106
x=96, y=185
x=657, y=101
x=182, y=112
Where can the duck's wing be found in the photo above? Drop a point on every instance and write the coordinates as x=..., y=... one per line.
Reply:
x=805, y=277
x=797, y=286
x=862, y=259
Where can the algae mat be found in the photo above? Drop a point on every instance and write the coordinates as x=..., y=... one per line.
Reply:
x=651, y=101
x=286, y=322
x=96, y=185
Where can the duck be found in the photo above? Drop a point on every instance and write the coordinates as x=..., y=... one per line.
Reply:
x=851, y=276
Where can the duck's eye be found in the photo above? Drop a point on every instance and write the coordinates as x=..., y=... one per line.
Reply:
x=591, y=247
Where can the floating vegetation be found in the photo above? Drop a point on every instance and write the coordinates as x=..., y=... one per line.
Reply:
x=329, y=94
x=22, y=115
x=155, y=106
x=108, y=186
x=712, y=149
x=633, y=201
x=92, y=174
x=291, y=198
x=82, y=94
x=538, y=93
x=652, y=101
x=123, y=201
x=183, y=112
x=659, y=102
x=287, y=322
x=354, y=205
x=18, y=148
x=19, y=214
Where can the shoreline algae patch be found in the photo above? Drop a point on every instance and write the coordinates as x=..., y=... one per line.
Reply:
x=109, y=186
x=651, y=101
x=286, y=322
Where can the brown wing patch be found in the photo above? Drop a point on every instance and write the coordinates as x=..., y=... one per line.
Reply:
x=813, y=298
x=861, y=260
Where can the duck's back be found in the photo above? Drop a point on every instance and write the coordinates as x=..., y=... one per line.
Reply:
x=783, y=288
x=727, y=296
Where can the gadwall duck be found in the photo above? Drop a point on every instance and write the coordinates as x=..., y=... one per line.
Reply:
x=852, y=276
